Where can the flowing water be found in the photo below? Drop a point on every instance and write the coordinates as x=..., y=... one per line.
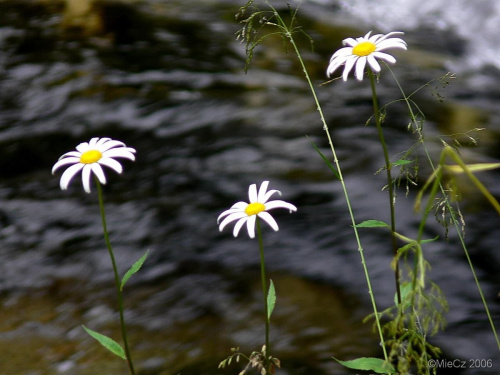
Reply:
x=166, y=77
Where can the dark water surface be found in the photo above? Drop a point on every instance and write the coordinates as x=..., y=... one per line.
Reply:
x=167, y=79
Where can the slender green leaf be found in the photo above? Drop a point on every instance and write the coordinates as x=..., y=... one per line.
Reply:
x=429, y=240
x=472, y=167
x=406, y=289
x=107, y=342
x=372, y=224
x=412, y=243
x=135, y=267
x=370, y=364
x=407, y=247
x=325, y=159
x=271, y=300
x=402, y=162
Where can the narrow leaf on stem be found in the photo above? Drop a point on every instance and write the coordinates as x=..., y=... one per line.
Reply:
x=271, y=300
x=107, y=342
x=325, y=159
x=402, y=162
x=370, y=364
x=135, y=267
x=372, y=224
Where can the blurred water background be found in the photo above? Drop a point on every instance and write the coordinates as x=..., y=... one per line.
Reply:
x=166, y=77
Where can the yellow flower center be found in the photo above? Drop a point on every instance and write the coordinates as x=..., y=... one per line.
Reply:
x=90, y=156
x=364, y=49
x=254, y=208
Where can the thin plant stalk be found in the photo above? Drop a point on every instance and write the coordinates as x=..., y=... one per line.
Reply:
x=264, y=293
x=117, y=279
x=413, y=116
x=390, y=183
x=288, y=34
x=448, y=151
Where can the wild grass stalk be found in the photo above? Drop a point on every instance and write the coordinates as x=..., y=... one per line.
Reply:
x=455, y=220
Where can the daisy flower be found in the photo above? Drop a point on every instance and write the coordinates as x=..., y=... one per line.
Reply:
x=247, y=213
x=89, y=158
x=366, y=49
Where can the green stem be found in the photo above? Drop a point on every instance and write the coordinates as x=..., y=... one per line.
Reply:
x=264, y=292
x=455, y=220
x=390, y=183
x=117, y=279
x=341, y=178
x=453, y=154
x=448, y=151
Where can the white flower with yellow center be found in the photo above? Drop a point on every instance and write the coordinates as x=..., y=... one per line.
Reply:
x=364, y=50
x=248, y=212
x=89, y=158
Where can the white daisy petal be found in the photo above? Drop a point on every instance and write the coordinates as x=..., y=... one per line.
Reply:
x=372, y=61
x=262, y=191
x=389, y=35
x=111, y=163
x=280, y=204
x=238, y=226
x=268, y=195
x=351, y=42
x=110, y=144
x=251, y=225
x=68, y=175
x=101, y=152
x=360, y=67
x=348, y=66
x=237, y=207
x=225, y=213
x=334, y=66
x=341, y=53
x=375, y=38
x=82, y=147
x=60, y=163
x=391, y=43
x=101, y=141
x=232, y=217
x=97, y=170
x=384, y=56
x=252, y=193
x=94, y=141
x=75, y=154
x=339, y=58
x=269, y=219
x=86, y=176
x=119, y=153
x=264, y=195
